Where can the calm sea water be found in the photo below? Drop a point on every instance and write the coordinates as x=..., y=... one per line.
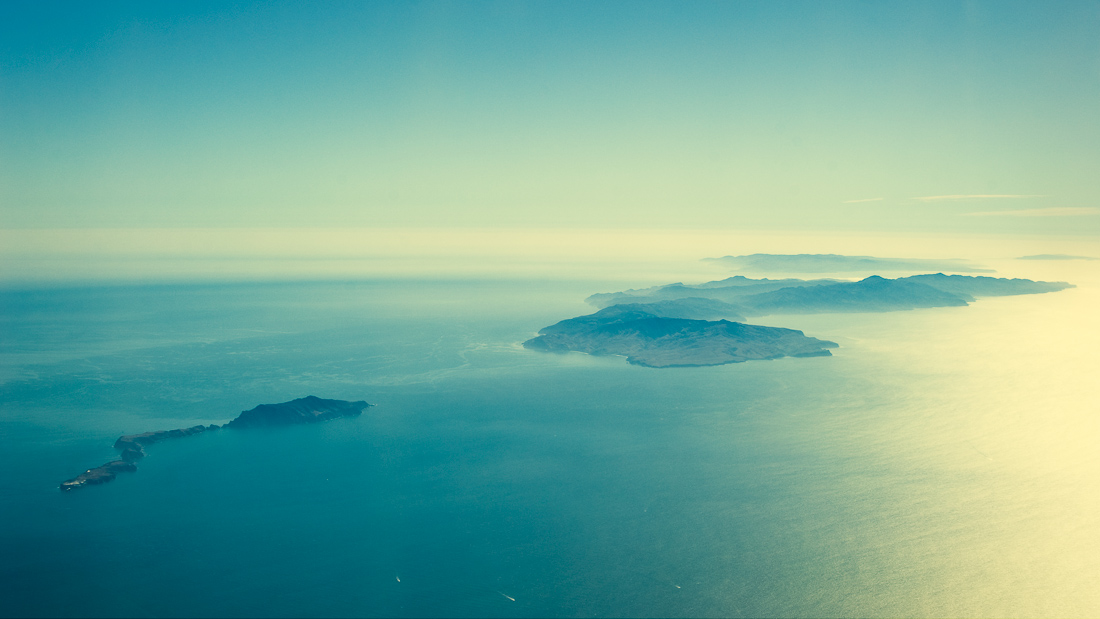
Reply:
x=942, y=463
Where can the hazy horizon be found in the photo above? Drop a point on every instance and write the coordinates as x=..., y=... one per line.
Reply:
x=432, y=206
x=73, y=256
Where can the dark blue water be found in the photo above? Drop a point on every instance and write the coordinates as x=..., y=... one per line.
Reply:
x=492, y=481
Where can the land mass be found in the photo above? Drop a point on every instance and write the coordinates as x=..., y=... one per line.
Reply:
x=690, y=325
x=760, y=297
x=873, y=294
x=693, y=308
x=131, y=447
x=835, y=263
x=648, y=339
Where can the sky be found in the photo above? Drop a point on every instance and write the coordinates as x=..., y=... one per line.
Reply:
x=952, y=117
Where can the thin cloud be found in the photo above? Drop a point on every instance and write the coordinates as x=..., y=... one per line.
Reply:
x=975, y=196
x=1040, y=212
x=863, y=200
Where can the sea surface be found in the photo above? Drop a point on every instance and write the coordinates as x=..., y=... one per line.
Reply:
x=943, y=462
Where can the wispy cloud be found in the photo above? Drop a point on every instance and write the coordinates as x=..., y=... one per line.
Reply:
x=1040, y=212
x=974, y=196
x=862, y=200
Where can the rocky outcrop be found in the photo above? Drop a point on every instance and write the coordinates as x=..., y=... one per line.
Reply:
x=99, y=475
x=132, y=447
x=310, y=409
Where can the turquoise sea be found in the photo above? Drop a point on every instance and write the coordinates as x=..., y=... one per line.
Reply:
x=942, y=463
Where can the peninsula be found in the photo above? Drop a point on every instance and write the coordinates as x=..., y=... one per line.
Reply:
x=131, y=448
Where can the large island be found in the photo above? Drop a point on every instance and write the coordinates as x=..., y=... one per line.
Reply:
x=679, y=325
x=131, y=447
x=834, y=263
x=646, y=338
x=760, y=297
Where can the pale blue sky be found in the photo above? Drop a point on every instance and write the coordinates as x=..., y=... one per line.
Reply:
x=726, y=115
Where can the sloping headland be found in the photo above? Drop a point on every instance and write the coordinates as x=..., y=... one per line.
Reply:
x=131, y=448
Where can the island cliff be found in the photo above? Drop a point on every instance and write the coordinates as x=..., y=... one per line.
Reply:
x=131, y=447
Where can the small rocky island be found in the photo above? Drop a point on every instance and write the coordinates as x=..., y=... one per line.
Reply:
x=648, y=339
x=131, y=448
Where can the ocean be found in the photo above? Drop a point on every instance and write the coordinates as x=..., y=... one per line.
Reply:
x=942, y=462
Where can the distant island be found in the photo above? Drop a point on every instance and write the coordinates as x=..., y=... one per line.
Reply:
x=760, y=297
x=693, y=308
x=680, y=325
x=1056, y=257
x=648, y=339
x=131, y=448
x=729, y=291
x=835, y=263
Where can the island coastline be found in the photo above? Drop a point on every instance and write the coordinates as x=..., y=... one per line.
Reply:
x=131, y=447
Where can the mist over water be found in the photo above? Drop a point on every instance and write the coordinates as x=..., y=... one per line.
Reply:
x=941, y=463
x=208, y=206
x=634, y=257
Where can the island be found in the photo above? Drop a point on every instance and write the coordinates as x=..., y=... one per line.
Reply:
x=729, y=290
x=1056, y=257
x=695, y=308
x=679, y=325
x=760, y=297
x=971, y=288
x=99, y=475
x=131, y=448
x=836, y=263
x=310, y=409
x=648, y=339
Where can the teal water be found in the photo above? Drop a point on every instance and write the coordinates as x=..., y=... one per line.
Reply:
x=942, y=463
